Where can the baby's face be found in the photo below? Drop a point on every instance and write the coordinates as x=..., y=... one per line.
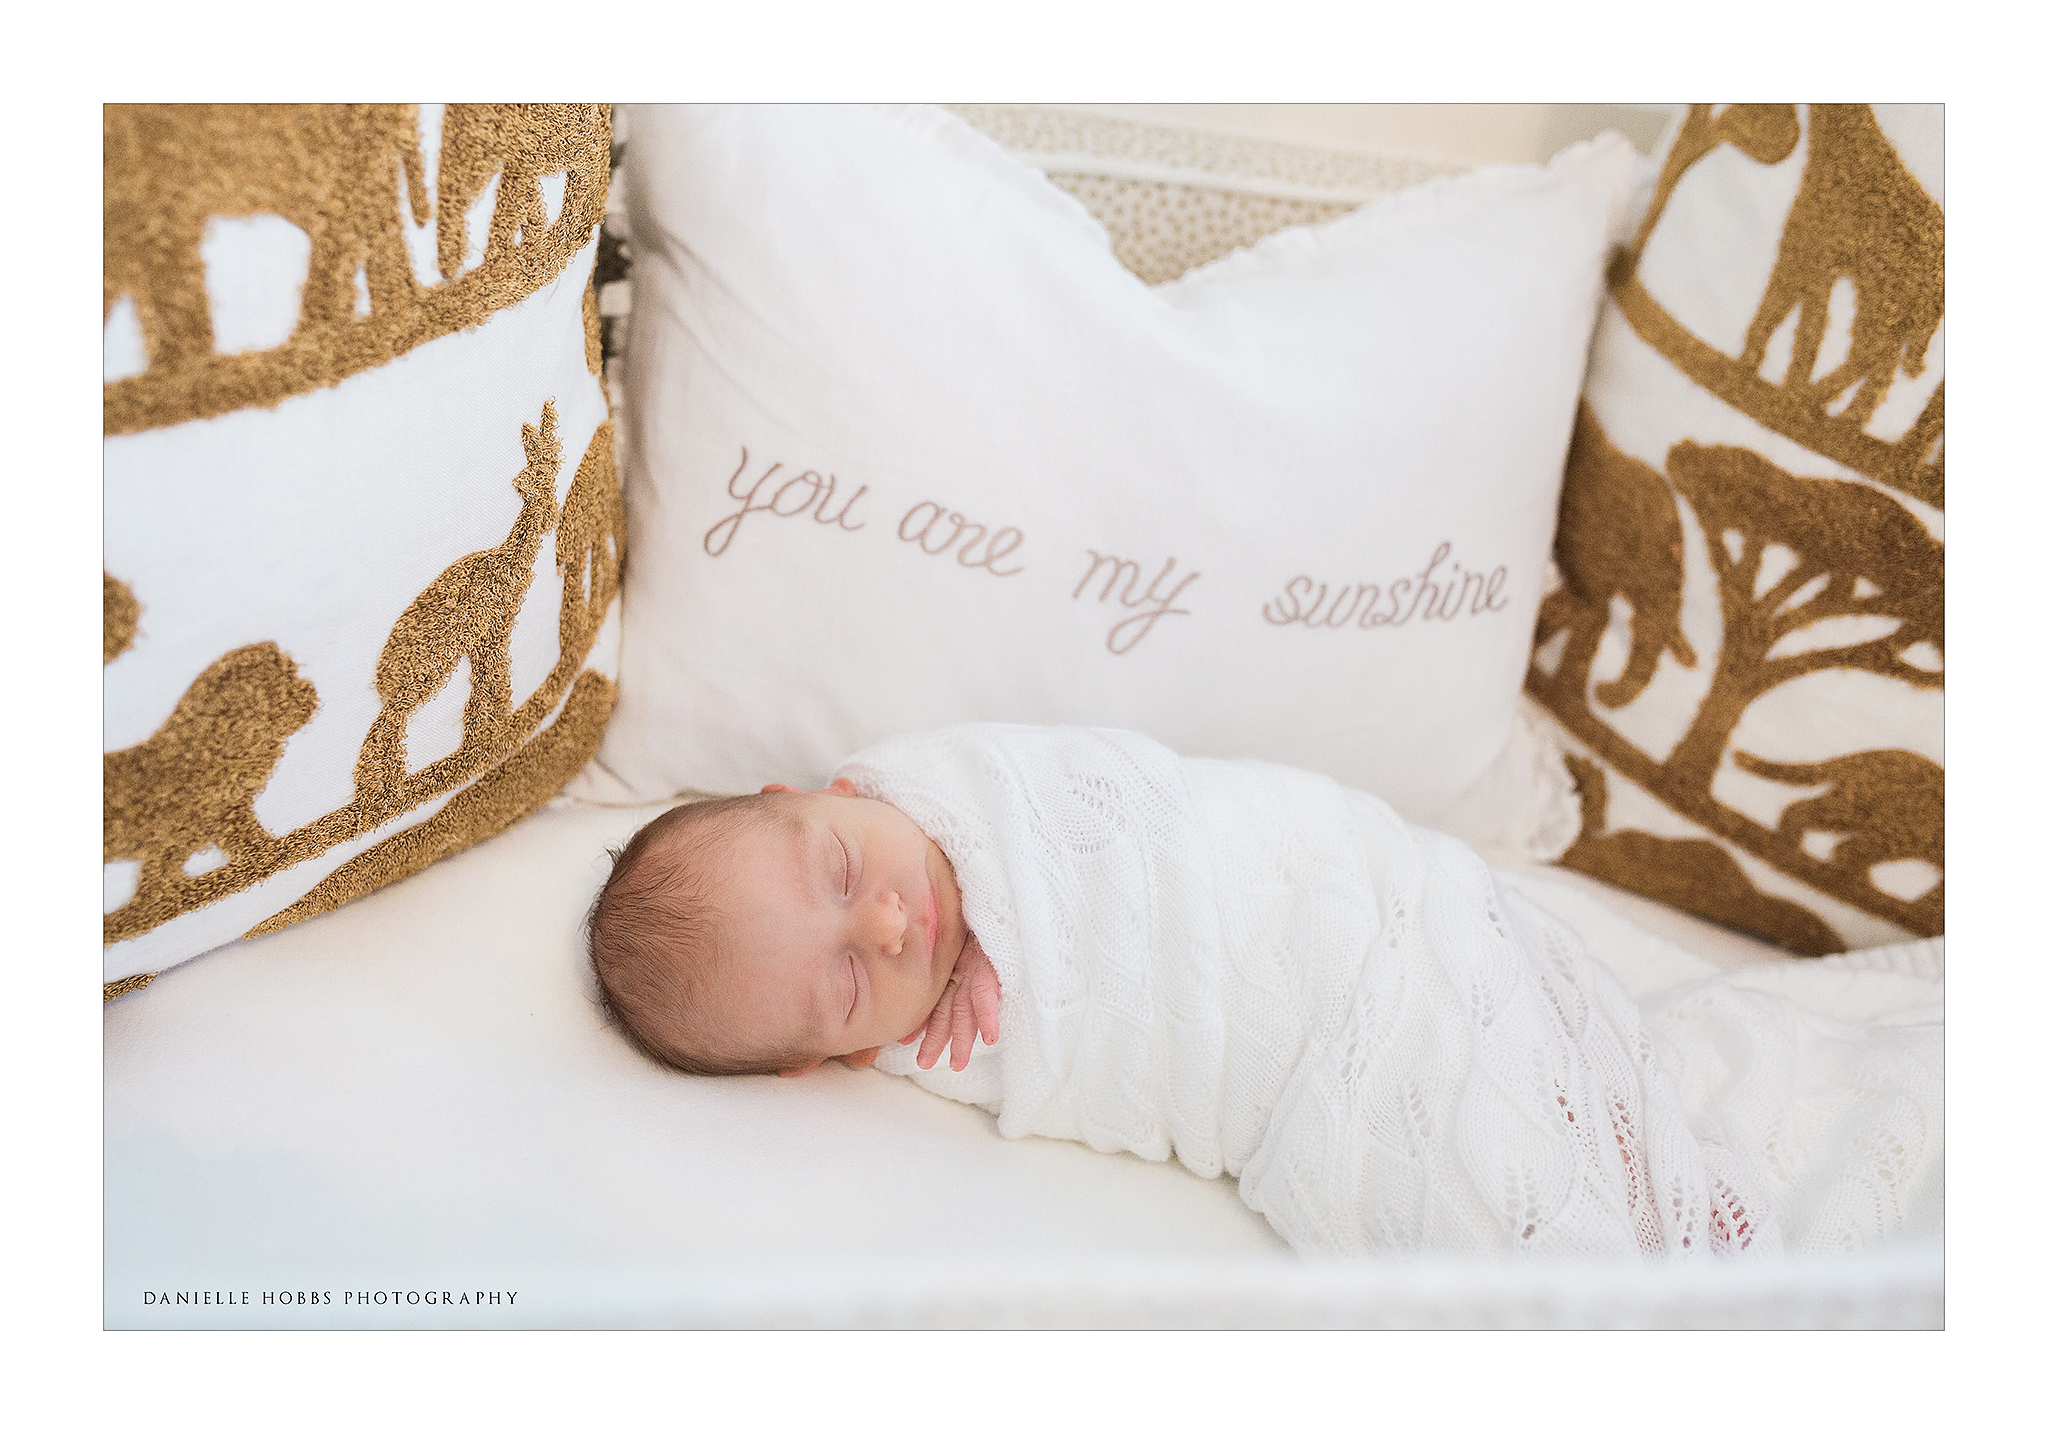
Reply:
x=840, y=935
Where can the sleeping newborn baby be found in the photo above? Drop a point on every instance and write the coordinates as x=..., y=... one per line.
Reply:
x=772, y=933
x=1259, y=973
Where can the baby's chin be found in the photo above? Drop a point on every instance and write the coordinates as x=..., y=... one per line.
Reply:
x=945, y=964
x=952, y=931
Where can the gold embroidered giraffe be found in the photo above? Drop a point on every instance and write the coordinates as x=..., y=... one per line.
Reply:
x=1766, y=133
x=1861, y=215
x=465, y=613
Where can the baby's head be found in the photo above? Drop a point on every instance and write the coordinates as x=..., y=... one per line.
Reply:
x=769, y=933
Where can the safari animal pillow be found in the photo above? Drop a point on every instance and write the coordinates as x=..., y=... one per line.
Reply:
x=1746, y=651
x=912, y=447
x=363, y=523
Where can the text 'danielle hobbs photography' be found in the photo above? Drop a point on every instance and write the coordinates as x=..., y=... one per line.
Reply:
x=346, y=1298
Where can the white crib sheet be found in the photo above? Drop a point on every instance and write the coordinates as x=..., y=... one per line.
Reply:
x=415, y=1095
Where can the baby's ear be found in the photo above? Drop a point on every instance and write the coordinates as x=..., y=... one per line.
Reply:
x=778, y=787
x=794, y=1071
x=842, y=787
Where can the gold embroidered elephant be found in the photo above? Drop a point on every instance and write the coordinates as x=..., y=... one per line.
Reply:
x=1693, y=874
x=333, y=170
x=1888, y=804
x=1618, y=535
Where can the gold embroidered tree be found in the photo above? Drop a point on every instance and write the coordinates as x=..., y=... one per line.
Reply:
x=1853, y=553
x=519, y=144
x=1857, y=586
x=1854, y=583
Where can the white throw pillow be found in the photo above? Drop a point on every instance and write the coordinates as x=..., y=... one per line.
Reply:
x=910, y=447
x=363, y=525
x=1758, y=484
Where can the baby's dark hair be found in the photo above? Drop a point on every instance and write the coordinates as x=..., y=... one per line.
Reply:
x=654, y=942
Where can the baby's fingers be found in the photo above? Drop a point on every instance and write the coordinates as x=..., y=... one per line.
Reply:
x=985, y=992
x=962, y=1029
x=934, y=1033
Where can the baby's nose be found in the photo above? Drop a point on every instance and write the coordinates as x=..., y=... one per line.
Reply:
x=887, y=921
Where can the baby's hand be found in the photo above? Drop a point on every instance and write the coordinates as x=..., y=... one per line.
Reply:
x=968, y=1006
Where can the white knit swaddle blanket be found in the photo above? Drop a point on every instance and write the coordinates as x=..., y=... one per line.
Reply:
x=1258, y=972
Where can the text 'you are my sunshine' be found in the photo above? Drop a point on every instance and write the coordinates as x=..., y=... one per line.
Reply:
x=935, y=530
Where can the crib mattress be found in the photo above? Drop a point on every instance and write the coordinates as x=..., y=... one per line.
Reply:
x=409, y=1113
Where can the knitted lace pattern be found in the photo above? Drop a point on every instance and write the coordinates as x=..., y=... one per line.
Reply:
x=1260, y=973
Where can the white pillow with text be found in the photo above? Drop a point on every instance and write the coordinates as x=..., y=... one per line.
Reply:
x=909, y=447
